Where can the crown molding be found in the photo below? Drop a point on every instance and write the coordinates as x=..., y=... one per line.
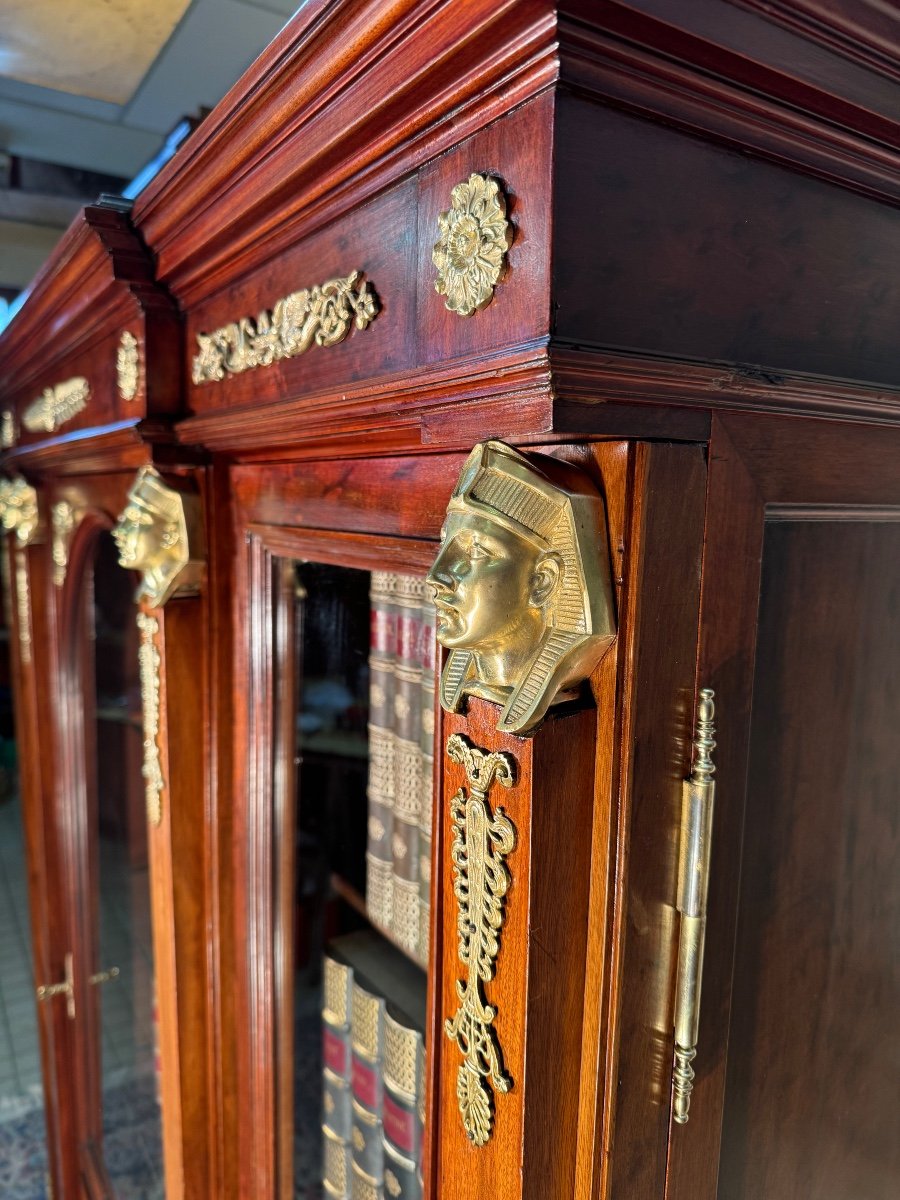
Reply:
x=349, y=98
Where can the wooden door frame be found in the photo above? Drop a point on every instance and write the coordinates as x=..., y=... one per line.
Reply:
x=181, y=849
x=756, y=462
x=75, y=800
x=264, y=823
x=33, y=642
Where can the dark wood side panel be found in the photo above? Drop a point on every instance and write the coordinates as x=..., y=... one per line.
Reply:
x=706, y=253
x=810, y=1100
x=805, y=470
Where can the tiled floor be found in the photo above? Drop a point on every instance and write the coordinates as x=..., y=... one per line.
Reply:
x=20, y=1075
x=132, y=1141
x=23, y=1155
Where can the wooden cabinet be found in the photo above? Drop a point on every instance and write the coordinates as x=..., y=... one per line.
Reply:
x=676, y=231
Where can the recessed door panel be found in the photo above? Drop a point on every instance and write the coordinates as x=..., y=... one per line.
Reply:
x=810, y=1101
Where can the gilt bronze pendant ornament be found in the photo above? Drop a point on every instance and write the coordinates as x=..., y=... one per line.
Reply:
x=522, y=584
x=481, y=842
x=150, y=664
x=128, y=362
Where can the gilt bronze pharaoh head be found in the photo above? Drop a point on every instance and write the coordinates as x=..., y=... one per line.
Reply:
x=159, y=534
x=522, y=584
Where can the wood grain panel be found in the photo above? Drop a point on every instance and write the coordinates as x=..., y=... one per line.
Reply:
x=378, y=240
x=703, y=253
x=810, y=1093
x=538, y=990
x=363, y=496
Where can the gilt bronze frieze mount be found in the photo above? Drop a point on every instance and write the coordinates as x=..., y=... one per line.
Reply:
x=322, y=315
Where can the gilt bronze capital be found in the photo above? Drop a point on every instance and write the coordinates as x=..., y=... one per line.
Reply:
x=522, y=584
x=160, y=534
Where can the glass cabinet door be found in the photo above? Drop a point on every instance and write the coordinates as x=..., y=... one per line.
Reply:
x=111, y=959
x=361, y=729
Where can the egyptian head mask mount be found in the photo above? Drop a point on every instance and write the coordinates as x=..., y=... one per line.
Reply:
x=522, y=584
x=160, y=534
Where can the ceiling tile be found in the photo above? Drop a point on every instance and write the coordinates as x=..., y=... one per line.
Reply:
x=87, y=47
x=213, y=46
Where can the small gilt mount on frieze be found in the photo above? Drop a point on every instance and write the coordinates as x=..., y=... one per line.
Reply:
x=160, y=535
x=470, y=254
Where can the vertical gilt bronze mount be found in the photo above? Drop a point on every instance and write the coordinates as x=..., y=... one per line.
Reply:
x=481, y=842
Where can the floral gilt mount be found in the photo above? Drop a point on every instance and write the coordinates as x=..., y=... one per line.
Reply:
x=470, y=254
x=318, y=316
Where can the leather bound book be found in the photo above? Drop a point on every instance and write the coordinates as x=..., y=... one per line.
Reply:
x=362, y=1187
x=336, y=1170
x=428, y=657
x=380, y=791
x=336, y=1009
x=367, y=1042
x=407, y=762
x=403, y=1074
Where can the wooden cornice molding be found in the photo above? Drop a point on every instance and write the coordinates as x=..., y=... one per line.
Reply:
x=535, y=390
x=586, y=380
x=121, y=446
x=98, y=278
x=352, y=95
x=864, y=31
x=396, y=408
x=661, y=70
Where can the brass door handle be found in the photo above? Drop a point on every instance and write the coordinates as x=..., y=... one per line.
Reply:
x=48, y=990
x=105, y=976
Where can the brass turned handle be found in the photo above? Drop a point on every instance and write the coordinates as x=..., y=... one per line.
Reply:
x=105, y=976
x=698, y=795
x=48, y=990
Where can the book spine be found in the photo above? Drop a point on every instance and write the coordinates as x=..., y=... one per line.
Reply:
x=428, y=659
x=336, y=1170
x=407, y=763
x=403, y=1074
x=380, y=791
x=367, y=1086
x=336, y=1075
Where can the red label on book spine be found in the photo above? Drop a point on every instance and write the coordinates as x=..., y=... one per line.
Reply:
x=334, y=1052
x=365, y=1084
x=399, y=1125
x=408, y=640
x=382, y=631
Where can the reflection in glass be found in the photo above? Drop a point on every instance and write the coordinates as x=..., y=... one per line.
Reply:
x=358, y=990
x=132, y=1149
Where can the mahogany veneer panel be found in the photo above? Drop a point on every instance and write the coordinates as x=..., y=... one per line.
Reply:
x=517, y=151
x=701, y=253
x=538, y=989
x=810, y=1102
x=378, y=239
x=363, y=496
